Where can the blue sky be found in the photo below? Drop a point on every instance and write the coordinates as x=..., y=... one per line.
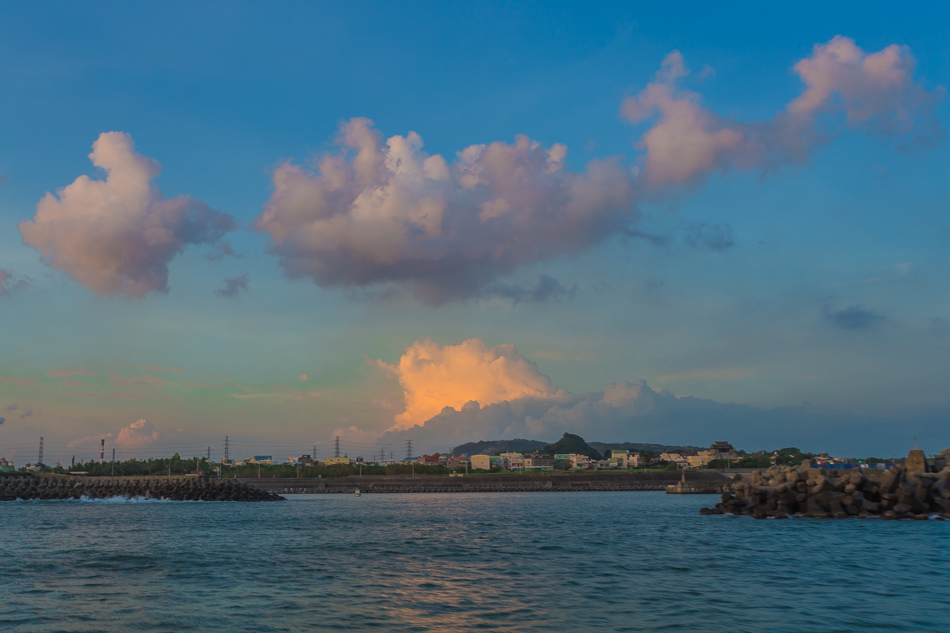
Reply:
x=812, y=282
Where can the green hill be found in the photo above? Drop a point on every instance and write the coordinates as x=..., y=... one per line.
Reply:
x=496, y=447
x=571, y=443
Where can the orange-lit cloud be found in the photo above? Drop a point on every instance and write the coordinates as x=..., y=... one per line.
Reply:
x=433, y=377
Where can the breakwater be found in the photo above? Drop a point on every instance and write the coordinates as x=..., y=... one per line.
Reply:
x=898, y=493
x=712, y=481
x=28, y=486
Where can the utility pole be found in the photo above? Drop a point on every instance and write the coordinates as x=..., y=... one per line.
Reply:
x=40, y=460
x=197, y=469
x=337, y=443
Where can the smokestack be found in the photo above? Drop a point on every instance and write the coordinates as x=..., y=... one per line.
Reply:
x=102, y=451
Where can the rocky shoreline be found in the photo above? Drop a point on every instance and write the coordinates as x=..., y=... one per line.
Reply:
x=27, y=487
x=903, y=492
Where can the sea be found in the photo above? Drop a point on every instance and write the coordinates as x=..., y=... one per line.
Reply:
x=582, y=561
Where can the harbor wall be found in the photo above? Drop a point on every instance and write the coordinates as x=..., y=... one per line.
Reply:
x=712, y=482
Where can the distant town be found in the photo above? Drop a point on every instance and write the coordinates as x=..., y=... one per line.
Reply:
x=571, y=453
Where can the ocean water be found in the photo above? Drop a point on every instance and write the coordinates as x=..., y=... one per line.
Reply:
x=611, y=561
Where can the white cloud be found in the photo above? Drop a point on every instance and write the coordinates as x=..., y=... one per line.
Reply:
x=118, y=235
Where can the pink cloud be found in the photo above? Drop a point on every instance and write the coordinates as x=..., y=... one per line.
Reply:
x=875, y=92
x=139, y=434
x=16, y=380
x=386, y=211
x=118, y=235
x=434, y=377
x=66, y=373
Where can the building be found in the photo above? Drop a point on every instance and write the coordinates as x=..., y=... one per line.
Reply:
x=562, y=461
x=335, y=461
x=717, y=450
x=455, y=463
x=481, y=462
x=723, y=450
x=623, y=459
x=676, y=458
x=261, y=459
x=579, y=462
x=538, y=462
x=430, y=460
x=512, y=461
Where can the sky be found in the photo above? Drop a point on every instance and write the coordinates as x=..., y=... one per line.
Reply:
x=451, y=222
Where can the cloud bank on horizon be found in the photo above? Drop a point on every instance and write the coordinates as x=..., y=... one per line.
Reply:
x=118, y=235
x=496, y=393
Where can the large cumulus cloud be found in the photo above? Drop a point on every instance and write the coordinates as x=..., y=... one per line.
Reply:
x=118, y=235
x=874, y=93
x=386, y=211
x=433, y=377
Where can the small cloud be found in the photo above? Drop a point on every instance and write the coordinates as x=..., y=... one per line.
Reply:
x=715, y=237
x=17, y=380
x=9, y=282
x=548, y=288
x=2, y=419
x=303, y=377
x=222, y=250
x=66, y=373
x=706, y=73
x=12, y=407
x=234, y=285
x=855, y=317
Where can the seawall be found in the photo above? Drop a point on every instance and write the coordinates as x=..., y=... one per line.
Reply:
x=46, y=486
x=711, y=481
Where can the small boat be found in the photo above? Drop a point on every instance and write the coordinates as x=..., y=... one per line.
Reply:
x=356, y=493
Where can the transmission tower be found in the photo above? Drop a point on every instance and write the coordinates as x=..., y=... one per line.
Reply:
x=226, y=447
x=408, y=450
x=40, y=460
x=314, y=456
x=336, y=450
x=382, y=456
